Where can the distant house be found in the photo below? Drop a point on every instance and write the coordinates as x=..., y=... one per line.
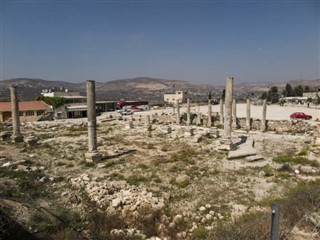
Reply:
x=75, y=104
x=178, y=95
x=28, y=111
x=312, y=95
x=70, y=97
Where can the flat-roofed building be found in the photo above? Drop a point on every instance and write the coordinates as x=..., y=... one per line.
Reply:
x=178, y=95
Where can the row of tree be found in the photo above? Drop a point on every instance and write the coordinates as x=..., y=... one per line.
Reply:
x=273, y=95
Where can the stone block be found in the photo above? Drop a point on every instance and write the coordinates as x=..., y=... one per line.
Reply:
x=5, y=136
x=94, y=157
x=16, y=138
x=31, y=140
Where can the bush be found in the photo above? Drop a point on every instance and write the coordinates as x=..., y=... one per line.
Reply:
x=295, y=160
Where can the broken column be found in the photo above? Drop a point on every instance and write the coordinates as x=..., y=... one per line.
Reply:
x=221, y=111
x=188, y=112
x=198, y=115
x=92, y=155
x=248, y=115
x=147, y=120
x=228, y=108
x=16, y=136
x=209, y=113
x=234, y=113
x=264, y=115
x=178, y=112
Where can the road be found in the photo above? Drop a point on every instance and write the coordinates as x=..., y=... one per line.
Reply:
x=274, y=112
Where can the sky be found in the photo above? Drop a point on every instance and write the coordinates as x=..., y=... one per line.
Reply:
x=197, y=41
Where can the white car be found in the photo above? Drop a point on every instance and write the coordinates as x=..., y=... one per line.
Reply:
x=126, y=112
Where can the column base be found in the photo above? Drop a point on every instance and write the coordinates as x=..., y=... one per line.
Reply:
x=16, y=138
x=94, y=157
x=226, y=144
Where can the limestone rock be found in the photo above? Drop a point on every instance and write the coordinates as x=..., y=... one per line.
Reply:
x=31, y=140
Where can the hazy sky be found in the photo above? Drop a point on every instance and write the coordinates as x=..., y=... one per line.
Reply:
x=197, y=41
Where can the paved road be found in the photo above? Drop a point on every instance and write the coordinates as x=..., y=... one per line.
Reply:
x=274, y=112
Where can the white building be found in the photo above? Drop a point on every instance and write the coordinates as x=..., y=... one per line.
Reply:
x=180, y=95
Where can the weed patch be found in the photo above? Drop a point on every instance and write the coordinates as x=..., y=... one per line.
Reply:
x=295, y=160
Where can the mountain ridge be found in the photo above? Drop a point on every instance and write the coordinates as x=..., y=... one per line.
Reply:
x=138, y=87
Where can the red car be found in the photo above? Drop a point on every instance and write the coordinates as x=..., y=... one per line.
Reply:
x=300, y=115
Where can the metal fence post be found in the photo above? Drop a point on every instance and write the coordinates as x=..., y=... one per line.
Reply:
x=275, y=222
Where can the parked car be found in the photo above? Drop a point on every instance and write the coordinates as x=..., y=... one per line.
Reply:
x=126, y=112
x=300, y=115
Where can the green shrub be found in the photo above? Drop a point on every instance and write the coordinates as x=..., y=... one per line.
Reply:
x=136, y=179
x=199, y=233
x=295, y=160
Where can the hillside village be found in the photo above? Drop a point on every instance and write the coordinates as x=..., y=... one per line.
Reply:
x=188, y=171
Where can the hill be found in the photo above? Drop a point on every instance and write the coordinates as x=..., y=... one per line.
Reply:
x=135, y=88
x=148, y=88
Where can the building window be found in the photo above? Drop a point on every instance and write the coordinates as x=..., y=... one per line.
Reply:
x=40, y=112
x=21, y=114
x=29, y=113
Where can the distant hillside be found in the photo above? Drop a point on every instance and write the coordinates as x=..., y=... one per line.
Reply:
x=29, y=88
x=151, y=89
x=147, y=88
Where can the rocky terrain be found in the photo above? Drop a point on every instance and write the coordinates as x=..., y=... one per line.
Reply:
x=158, y=181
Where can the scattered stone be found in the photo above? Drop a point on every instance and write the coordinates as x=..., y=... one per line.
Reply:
x=7, y=164
x=129, y=125
x=5, y=136
x=202, y=209
x=178, y=218
x=254, y=158
x=31, y=140
x=182, y=179
x=43, y=179
x=74, y=199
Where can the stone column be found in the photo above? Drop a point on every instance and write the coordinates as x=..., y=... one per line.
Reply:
x=221, y=111
x=264, y=115
x=248, y=115
x=147, y=120
x=198, y=115
x=188, y=112
x=209, y=114
x=228, y=108
x=16, y=136
x=178, y=112
x=234, y=113
x=92, y=155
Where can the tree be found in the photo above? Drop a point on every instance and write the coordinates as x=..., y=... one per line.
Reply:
x=288, y=90
x=306, y=88
x=298, y=91
x=223, y=95
x=53, y=101
x=274, y=94
x=264, y=95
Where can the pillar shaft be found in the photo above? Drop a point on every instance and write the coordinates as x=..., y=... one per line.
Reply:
x=234, y=113
x=209, y=113
x=16, y=136
x=15, y=110
x=228, y=107
x=91, y=112
x=264, y=115
x=221, y=111
x=248, y=115
x=178, y=111
x=188, y=112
